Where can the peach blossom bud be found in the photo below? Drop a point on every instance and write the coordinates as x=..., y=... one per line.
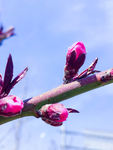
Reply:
x=10, y=106
x=55, y=114
x=74, y=60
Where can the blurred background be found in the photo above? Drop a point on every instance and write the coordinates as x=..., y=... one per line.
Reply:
x=44, y=30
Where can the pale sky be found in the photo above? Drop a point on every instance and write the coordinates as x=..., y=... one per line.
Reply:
x=44, y=30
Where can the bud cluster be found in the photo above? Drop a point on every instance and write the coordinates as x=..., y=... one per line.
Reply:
x=56, y=114
x=10, y=105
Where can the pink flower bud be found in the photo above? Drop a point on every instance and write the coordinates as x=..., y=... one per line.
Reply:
x=74, y=60
x=55, y=114
x=10, y=106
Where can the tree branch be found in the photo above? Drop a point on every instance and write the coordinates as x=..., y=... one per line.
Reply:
x=63, y=92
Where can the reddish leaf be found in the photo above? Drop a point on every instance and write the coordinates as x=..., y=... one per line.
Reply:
x=16, y=80
x=1, y=83
x=8, y=74
x=71, y=110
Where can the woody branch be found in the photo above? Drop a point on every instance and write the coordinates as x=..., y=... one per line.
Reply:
x=62, y=93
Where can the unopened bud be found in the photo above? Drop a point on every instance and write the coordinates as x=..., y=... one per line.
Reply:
x=10, y=106
x=55, y=114
x=74, y=60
